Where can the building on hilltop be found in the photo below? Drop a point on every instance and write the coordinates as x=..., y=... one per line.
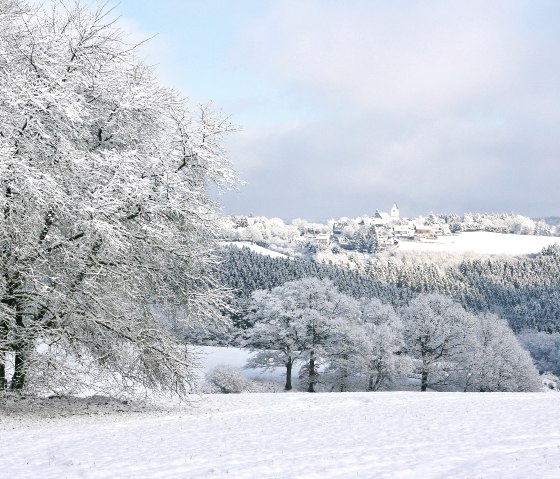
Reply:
x=395, y=212
x=381, y=218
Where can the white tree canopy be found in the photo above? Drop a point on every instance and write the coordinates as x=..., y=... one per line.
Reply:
x=297, y=321
x=497, y=362
x=438, y=333
x=104, y=206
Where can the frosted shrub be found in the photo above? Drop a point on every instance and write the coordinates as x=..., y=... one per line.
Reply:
x=226, y=379
x=550, y=382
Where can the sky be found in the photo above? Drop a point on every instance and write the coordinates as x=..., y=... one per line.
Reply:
x=347, y=106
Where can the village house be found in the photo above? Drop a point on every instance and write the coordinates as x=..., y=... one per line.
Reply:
x=323, y=239
x=425, y=232
x=404, y=230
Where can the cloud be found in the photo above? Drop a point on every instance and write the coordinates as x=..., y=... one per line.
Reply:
x=395, y=56
x=444, y=106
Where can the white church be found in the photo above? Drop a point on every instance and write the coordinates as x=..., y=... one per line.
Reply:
x=383, y=219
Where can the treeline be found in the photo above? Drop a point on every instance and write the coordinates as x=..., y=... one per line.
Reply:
x=525, y=291
x=245, y=271
x=343, y=344
x=507, y=223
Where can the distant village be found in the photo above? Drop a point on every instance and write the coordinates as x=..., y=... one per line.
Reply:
x=368, y=234
x=382, y=230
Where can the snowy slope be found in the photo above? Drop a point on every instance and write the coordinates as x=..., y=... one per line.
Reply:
x=482, y=242
x=478, y=242
x=255, y=248
x=365, y=435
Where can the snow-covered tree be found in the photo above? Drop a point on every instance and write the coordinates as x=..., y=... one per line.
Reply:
x=544, y=348
x=496, y=361
x=275, y=335
x=344, y=357
x=383, y=358
x=104, y=210
x=296, y=321
x=438, y=333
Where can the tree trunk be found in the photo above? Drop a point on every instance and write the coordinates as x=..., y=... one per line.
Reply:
x=18, y=380
x=19, y=346
x=289, y=364
x=373, y=384
x=3, y=382
x=311, y=387
x=3, y=339
x=424, y=385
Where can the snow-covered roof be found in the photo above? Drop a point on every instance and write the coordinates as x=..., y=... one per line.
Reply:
x=382, y=215
x=424, y=227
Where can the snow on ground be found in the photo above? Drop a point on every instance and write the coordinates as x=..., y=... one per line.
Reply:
x=483, y=242
x=336, y=435
x=256, y=248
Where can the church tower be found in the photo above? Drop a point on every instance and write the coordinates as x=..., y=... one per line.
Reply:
x=395, y=213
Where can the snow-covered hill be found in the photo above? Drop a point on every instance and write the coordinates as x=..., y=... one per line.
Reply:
x=475, y=242
x=365, y=435
x=482, y=242
x=256, y=248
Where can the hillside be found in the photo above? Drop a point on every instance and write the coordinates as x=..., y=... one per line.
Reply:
x=482, y=243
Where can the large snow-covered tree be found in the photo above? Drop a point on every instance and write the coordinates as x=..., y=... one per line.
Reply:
x=383, y=360
x=298, y=321
x=275, y=336
x=438, y=335
x=497, y=361
x=105, y=217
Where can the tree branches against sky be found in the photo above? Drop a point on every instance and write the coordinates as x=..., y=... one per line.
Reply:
x=347, y=106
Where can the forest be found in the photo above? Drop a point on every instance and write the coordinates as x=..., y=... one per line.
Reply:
x=523, y=290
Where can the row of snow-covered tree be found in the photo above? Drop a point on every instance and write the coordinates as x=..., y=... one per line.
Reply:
x=497, y=223
x=342, y=343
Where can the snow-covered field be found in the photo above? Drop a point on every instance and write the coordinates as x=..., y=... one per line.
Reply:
x=477, y=242
x=344, y=435
x=256, y=248
x=482, y=242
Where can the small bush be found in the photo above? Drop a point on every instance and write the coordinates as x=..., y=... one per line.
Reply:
x=226, y=379
x=550, y=382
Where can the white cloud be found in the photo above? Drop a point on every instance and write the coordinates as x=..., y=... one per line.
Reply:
x=393, y=56
x=444, y=105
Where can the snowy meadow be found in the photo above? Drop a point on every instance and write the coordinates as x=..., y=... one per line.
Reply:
x=381, y=435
